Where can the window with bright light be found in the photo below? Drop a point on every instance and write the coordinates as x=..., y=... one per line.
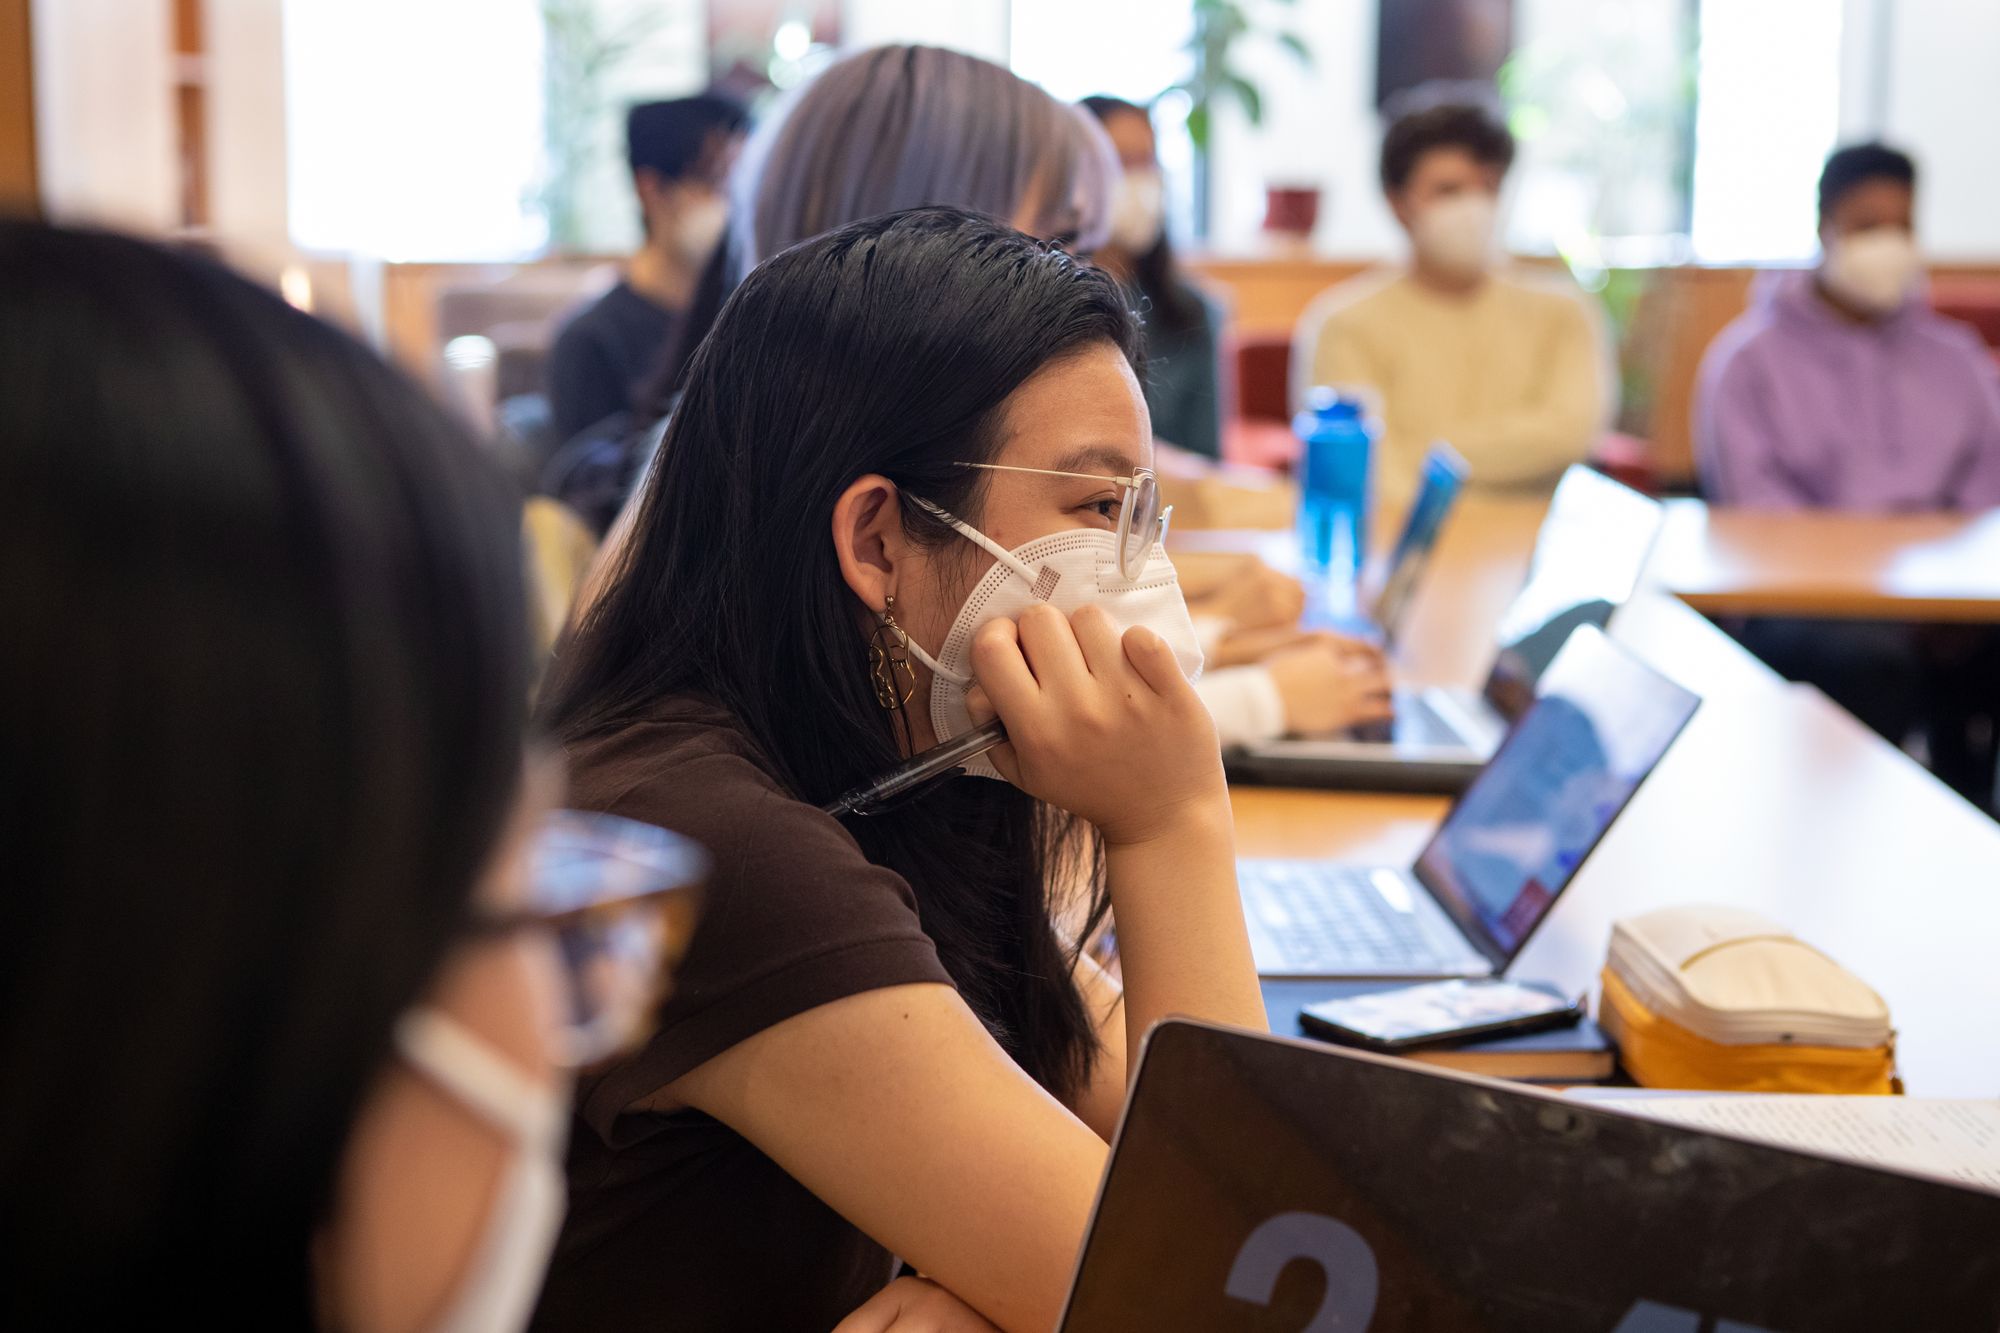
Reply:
x=1599, y=97
x=415, y=127
x=1767, y=114
x=1134, y=49
x=1131, y=49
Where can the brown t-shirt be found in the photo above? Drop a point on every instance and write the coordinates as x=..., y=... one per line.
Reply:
x=675, y=1220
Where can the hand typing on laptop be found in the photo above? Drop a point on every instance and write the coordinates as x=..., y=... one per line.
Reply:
x=1330, y=683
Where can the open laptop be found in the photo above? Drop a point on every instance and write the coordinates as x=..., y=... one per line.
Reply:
x=1442, y=481
x=1600, y=724
x=1264, y=1185
x=1589, y=555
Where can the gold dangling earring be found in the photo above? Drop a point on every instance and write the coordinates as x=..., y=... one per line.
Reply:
x=889, y=668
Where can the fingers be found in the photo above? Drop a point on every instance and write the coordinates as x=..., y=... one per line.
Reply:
x=1050, y=646
x=1097, y=636
x=1373, y=692
x=874, y=1317
x=1002, y=672
x=1154, y=661
x=914, y=1305
x=1288, y=599
x=1357, y=648
x=1000, y=756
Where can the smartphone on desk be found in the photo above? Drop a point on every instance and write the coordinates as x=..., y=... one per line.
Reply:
x=1439, y=1012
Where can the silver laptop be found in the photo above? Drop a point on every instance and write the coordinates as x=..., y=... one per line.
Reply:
x=1589, y=555
x=1261, y=1185
x=1601, y=721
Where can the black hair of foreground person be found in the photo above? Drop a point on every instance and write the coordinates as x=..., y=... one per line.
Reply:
x=888, y=346
x=261, y=692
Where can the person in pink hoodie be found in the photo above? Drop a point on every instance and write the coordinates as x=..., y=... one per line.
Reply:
x=1841, y=389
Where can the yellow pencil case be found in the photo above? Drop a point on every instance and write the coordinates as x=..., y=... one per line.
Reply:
x=1721, y=999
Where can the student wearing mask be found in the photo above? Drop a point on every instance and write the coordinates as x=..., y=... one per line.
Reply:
x=1513, y=370
x=680, y=153
x=1841, y=389
x=281, y=1017
x=288, y=1031
x=950, y=128
x=875, y=522
x=1183, y=327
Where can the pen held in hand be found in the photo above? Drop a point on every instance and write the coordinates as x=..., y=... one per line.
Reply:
x=878, y=794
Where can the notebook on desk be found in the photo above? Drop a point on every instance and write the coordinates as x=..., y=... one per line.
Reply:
x=1579, y=1053
x=1270, y=1186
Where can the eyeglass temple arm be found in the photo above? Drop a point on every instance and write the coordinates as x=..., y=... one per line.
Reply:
x=1132, y=480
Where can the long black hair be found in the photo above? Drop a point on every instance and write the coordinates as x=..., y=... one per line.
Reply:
x=888, y=346
x=261, y=703
x=1157, y=272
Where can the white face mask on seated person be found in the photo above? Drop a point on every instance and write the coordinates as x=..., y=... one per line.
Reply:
x=1067, y=570
x=1456, y=234
x=1138, y=210
x=699, y=229
x=1873, y=270
x=496, y=1294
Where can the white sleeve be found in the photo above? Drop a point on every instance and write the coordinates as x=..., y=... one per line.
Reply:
x=1210, y=631
x=1245, y=703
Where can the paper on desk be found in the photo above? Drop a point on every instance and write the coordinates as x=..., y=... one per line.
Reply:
x=1956, y=1139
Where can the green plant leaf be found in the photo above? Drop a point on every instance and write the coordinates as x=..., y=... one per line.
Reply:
x=1197, y=125
x=1296, y=44
x=1246, y=93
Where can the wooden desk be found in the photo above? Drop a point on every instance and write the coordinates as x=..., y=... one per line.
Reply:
x=1913, y=567
x=1773, y=799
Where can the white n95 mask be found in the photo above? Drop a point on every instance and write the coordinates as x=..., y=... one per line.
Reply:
x=1875, y=269
x=496, y=1293
x=1067, y=570
x=1457, y=234
x=1138, y=210
x=702, y=223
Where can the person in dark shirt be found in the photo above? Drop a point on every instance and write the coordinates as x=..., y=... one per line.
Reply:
x=1183, y=327
x=680, y=152
x=889, y=1044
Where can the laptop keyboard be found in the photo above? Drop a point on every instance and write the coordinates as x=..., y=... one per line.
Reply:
x=1331, y=918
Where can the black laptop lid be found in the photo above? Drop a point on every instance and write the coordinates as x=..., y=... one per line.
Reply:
x=1588, y=557
x=1272, y=1186
x=1514, y=840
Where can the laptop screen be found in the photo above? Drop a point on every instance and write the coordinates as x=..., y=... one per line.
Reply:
x=1443, y=478
x=1515, y=838
x=1588, y=557
x=1269, y=1186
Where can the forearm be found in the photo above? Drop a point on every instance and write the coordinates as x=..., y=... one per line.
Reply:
x=1563, y=417
x=1517, y=448
x=1182, y=946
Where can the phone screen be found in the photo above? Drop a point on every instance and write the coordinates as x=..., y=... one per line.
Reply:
x=1440, y=1010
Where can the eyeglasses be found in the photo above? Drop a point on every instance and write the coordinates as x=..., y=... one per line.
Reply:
x=620, y=900
x=1141, y=520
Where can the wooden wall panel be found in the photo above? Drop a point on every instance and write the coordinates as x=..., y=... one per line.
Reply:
x=19, y=187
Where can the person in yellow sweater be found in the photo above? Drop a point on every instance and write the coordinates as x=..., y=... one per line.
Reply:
x=1513, y=369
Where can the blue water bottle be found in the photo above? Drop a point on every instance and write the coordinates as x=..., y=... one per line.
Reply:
x=1337, y=450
